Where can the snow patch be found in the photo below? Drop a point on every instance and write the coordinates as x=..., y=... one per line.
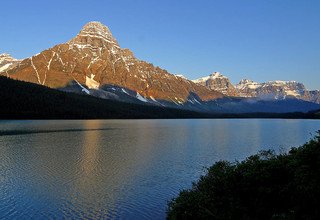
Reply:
x=5, y=67
x=141, y=98
x=36, y=71
x=123, y=90
x=197, y=101
x=91, y=83
x=292, y=93
x=153, y=99
x=215, y=75
x=83, y=88
x=181, y=76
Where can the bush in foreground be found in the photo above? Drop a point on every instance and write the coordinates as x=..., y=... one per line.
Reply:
x=264, y=186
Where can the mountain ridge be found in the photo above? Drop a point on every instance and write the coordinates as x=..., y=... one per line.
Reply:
x=217, y=81
x=277, y=89
x=24, y=100
x=93, y=63
x=93, y=59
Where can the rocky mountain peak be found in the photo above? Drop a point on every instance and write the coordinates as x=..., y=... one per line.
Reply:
x=94, y=63
x=217, y=75
x=95, y=28
x=94, y=34
x=246, y=81
x=181, y=76
x=217, y=81
x=7, y=62
x=277, y=89
x=6, y=57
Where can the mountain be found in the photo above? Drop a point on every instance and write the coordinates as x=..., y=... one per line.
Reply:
x=276, y=90
x=94, y=63
x=7, y=62
x=272, y=90
x=216, y=81
x=23, y=100
x=315, y=96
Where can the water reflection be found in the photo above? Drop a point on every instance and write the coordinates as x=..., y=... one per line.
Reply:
x=91, y=148
x=122, y=168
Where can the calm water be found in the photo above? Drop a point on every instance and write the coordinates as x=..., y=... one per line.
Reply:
x=125, y=169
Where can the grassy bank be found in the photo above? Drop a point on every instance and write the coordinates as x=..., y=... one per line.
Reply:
x=264, y=186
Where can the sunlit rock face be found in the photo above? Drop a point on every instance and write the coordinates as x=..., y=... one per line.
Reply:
x=272, y=90
x=216, y=81
x=94, y=59
x=7, y=62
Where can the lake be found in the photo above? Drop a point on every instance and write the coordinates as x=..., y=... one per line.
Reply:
x=123, y=169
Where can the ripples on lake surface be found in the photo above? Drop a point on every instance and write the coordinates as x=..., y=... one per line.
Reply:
x=125, y=169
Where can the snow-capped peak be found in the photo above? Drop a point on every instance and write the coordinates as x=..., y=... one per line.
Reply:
x=6, y=57
x=281, y=83
x=181, y=76
x=214, y=75
x=7, y=62
x=277, y=89
x=94, y=33
x=246, y=81
x=95, y=28
x=218, y=82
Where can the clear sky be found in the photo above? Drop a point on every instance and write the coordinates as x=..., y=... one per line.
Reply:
x=260, y=40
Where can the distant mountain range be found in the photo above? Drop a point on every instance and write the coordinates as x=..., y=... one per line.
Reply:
x=93, y=63
x=216, y=81
x=273, y=90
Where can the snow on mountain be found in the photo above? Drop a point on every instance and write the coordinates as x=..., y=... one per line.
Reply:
x=91, y=83
x=141, y=98
x=218, y=82
x=246, y=83
x=95, y=60
x=7, y=62
x=274, y=90
x=315, y=96
x=6, y=58
x=95, y=35
x=181, y=76
x=277, y=89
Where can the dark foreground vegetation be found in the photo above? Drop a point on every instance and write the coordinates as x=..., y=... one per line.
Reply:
x=264, y=186
x=22, y=100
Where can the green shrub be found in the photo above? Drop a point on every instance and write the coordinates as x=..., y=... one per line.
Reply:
x=264, y=186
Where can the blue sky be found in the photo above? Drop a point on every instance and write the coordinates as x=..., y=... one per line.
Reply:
x=261, y=40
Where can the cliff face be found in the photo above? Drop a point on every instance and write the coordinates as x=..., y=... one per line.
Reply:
x=276, y=90
x=272, y=90
x=315, y=96
x=7, y=62
x=216, y=81
x=93, y=62
x=94, y=59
